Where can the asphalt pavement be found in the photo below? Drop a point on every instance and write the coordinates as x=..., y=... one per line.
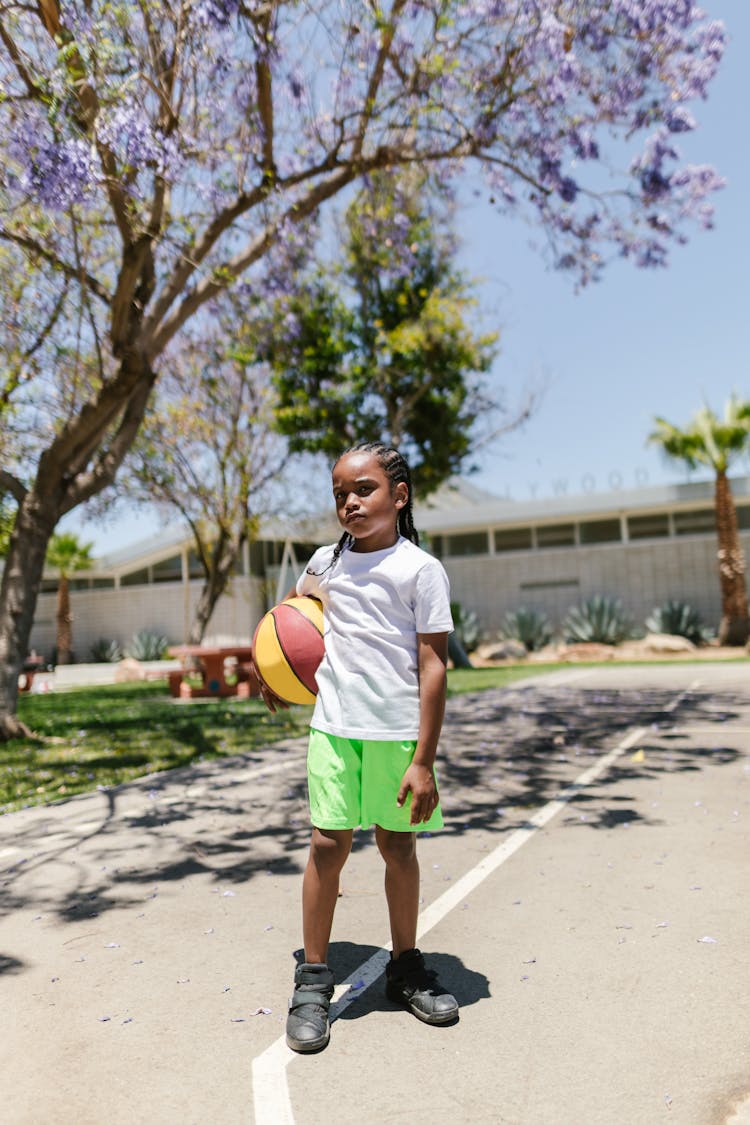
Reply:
x=587, y=903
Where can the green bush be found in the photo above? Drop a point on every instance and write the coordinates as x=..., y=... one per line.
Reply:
x=679, y=619
x=465, y=626
x=106, y=652
x=147, y=646
x=529, y=626
x=599, y=619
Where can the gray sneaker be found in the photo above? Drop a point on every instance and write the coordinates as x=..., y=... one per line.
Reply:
x=307, y=1027
x=409, y=982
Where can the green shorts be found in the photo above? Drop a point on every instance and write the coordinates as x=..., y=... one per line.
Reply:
x=353, y=783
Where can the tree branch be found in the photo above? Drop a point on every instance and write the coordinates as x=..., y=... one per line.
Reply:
x=11, y=483
x=88, y=484
x=70, y=271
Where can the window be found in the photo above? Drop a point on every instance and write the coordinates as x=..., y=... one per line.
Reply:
x=135, y=578
x=556, y=535
x=648, y=527
x=600, y=531
x=473, y=543
x=437, y=546
x=168, y=570
x=743, y=517
x=513, y=539
x=698, y=522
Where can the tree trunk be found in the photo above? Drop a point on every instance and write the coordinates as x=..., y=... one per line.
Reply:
x=21, y=580
x=64, y=622
x=81, y=460
x=734, y=628
x=214, y=586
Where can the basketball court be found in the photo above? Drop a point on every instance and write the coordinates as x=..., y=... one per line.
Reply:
x=587, y=904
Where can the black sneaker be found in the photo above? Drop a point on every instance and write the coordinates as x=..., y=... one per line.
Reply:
x=409, y=982
x=307, y=1027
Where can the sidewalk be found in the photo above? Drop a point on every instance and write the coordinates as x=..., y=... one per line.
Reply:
x=147, y=933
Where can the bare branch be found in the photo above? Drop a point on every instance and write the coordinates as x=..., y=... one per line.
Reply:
x=70, y=271
x=88, y=484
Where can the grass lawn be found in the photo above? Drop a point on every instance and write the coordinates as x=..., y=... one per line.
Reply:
x=107, y=735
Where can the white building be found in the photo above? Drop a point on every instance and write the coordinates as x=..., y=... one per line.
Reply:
x=643, y=546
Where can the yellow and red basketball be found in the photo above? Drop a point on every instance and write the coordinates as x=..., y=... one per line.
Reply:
x=288, y=647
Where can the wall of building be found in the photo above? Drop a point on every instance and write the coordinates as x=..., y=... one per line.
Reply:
x=165, y=608
x=642, y=575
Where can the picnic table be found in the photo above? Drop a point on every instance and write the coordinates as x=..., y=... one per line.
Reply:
x=223, y=669
x=29, y=668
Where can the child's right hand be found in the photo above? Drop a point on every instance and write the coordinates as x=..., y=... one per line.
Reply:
x=272, y=702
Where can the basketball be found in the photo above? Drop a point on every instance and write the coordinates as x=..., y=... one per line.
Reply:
x=288, y=647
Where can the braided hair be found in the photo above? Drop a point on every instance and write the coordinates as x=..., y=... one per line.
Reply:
x=396, y=468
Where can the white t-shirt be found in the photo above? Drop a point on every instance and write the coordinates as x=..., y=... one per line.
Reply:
x=374, y=604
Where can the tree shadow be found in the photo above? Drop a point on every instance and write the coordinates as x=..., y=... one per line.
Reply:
x=10, y=964
x=504, y=753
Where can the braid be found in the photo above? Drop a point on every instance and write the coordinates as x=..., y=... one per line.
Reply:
x=396, y=468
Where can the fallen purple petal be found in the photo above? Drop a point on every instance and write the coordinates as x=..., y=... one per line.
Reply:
x=708, y=940
x=261, y=1012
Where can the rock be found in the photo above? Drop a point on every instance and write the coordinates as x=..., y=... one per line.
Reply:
x=129, y=670
x=667, y=642
x=502, y=650
x=585, y=650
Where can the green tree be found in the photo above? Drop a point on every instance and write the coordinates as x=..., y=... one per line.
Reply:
x=717, y=442
x=7, y=518
x=66, y=554
x=385, y=347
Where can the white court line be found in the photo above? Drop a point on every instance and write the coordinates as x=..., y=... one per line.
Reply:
x=271, y=1099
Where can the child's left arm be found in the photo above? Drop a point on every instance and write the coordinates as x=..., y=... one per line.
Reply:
x=419, y=778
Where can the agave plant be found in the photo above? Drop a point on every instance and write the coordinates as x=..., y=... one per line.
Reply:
x=679, y=619
x=147, y=646
x=466, y=626
x=599, y=619
x=529, y=626
x=106, y=652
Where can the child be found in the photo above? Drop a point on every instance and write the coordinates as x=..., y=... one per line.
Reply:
x=375, y=727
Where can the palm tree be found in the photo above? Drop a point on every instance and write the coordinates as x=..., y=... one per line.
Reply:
x=66, y=555
x=709, y=440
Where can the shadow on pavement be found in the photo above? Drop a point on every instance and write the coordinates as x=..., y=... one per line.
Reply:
x=503, y=754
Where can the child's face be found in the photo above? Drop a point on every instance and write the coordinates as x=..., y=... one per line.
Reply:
x=366, y=504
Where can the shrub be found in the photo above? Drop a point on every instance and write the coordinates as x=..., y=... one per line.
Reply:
x=599, y=619
x=106, y=652
x=466, y=626
x=147, y=646
x=529, y=626
x=679, y=619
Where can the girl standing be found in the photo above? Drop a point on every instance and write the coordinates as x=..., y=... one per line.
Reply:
x=375, y=727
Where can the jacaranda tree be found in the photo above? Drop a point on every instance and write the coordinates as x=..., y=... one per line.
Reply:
x=152, y=153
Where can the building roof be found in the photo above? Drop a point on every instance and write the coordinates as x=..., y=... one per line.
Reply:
x=456, y=507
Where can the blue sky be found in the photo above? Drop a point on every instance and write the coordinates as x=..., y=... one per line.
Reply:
x=639, y=344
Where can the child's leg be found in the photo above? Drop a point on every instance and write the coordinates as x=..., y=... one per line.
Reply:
x=399, y=850
x=329, y=850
